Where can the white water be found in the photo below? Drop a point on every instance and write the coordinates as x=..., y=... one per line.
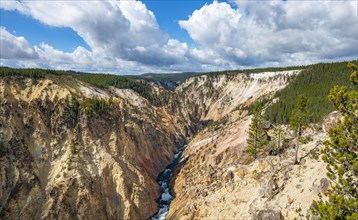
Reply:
x=164, y=179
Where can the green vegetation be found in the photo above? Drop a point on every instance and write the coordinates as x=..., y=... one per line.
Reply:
x=216, y=125
x=314, y=83
x=258, y=70
x=175, y=77
x=73, y=148
x=257, y=135
x=168, y=81
x=98, y=80
x=341, y=156
x=276, y=145
x=299, y=120
x=72, y=111
x=30, y=73
x=250, y=108
x=96, y=105
x=75, y=106
x=120, y=82
x=171, y=80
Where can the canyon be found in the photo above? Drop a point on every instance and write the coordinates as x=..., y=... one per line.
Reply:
x=59, y=161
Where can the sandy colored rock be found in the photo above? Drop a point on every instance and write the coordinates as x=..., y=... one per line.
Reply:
x=59, y=165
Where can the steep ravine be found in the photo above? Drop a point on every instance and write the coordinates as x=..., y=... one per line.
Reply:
x=58, y=161
x=211, y=98
x=164, y=179
x=218, y=180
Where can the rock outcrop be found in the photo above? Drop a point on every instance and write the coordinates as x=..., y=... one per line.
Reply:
x=268, y=214
x=217, y=179
x=60, y=162
x=211, y=97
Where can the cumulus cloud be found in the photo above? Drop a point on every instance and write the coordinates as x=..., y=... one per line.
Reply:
x=124, y=30
x=124, y=36
x=13, y=47
x=274, y=33
x=16, y=52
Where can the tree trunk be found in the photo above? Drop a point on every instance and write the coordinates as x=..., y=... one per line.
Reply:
x=298, y=143
x=255, y=146
x=278, y=142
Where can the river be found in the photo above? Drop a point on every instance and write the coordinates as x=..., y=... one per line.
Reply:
x=163, y=180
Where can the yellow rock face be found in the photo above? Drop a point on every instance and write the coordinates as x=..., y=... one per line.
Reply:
x=56, y=163
x=59, y=165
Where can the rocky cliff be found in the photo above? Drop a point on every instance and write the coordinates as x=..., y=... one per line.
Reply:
x=60, y=160
x=210, y=97
x=217, y=179
x=57, y=161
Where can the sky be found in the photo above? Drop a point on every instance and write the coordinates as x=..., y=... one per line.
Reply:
x=134, y=37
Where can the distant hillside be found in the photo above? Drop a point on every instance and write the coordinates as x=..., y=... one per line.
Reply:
x=31, y=73
x=257, y=70
x=168, y=81
x=171, y=81
x=98, y=80
x=314, y=82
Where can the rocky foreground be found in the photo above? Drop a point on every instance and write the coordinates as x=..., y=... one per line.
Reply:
x=217, y=180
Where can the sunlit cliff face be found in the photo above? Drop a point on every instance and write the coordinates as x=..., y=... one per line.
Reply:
x=59, y=161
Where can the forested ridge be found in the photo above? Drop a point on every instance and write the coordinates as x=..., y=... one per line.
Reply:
x=257, y=70
x=120, y=82
x=168, y=81
x=35, y=73
x=314, y=83
x=95, y=79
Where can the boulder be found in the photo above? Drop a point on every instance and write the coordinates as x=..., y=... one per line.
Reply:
x=268, y=188
x=331, y=120
x=324, y=185
x=267, y=214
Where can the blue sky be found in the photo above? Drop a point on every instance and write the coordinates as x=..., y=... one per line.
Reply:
x=21, y=25
x=133, y=37
x=168, y=13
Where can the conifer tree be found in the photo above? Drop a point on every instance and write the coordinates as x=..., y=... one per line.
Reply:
x=257, y=135
x=341, y=154
x=298, y=121
x=276, y=143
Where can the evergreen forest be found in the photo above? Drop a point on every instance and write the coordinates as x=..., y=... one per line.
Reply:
x=314, y=83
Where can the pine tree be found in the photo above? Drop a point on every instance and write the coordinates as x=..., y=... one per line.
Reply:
x=299, y=120
x=257, y=135
x=341, y=154
x=275, y=146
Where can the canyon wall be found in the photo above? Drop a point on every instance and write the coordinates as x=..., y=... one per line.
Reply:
x=60, y=162
x=217, y=179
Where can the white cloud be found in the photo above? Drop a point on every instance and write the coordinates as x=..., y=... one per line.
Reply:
x=12, y=47
x=15, y=51
x=124, y=30
x=264, y=33
x=218, y=22
x=125, y=36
